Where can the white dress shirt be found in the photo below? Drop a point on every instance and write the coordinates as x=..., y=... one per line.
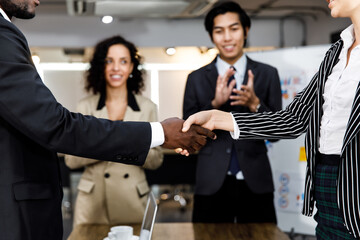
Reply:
x=339, y=95
x=157, y=132
x=239, y=76
x=4, y=15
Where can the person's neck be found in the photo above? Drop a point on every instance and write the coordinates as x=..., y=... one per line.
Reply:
x=356, y=23
x=231, y=61
x=116, y=94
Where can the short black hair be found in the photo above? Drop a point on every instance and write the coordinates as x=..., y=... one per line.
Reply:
x=222, y=8
x=95, y=76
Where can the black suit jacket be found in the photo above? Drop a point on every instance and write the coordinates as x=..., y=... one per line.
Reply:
x=214, y=158
x=33, y=128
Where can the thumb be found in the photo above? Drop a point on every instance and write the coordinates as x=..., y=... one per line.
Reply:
x=250, y=82
x=187, y=124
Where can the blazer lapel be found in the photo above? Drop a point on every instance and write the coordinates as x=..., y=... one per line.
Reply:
x=354, y=120
x=331, y=58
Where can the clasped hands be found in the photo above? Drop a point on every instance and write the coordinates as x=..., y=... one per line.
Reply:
x=245, y=96
x=189, y=136
x=191, y=140
x=215, y=119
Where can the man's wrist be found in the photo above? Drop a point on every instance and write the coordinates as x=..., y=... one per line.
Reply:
x=256, y=105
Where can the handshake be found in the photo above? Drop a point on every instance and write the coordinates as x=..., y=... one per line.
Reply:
x=191, y=135
x=192, y=140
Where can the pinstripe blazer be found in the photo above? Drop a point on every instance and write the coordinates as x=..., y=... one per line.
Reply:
x=304, y=115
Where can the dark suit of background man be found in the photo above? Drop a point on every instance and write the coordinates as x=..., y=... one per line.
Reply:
x=243, y=193
x=33, y=127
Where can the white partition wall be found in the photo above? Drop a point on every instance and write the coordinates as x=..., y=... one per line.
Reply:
x=296, y=67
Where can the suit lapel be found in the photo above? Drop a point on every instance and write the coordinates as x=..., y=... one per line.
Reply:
x=250, y=65
x=212, y=74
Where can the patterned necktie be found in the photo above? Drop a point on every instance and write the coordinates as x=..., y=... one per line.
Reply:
x=232, y=77
x=234, y=167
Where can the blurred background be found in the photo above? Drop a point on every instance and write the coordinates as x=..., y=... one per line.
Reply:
x=171, y=37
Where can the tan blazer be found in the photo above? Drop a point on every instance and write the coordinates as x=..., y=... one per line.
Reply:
x=109, y=192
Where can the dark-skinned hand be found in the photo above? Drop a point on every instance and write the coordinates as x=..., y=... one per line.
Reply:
x=192, y=140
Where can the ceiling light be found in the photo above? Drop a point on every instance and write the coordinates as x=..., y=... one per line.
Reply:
x=170, y=51
x=107, y=19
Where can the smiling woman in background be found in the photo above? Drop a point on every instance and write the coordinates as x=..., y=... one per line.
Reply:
x=113, y=193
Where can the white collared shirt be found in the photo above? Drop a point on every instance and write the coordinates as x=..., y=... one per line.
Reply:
x=240, y=67
x=339, y=94
x=239, y=76
x=4, y=15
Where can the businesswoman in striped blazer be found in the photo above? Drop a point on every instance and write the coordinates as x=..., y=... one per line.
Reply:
x=328, y=110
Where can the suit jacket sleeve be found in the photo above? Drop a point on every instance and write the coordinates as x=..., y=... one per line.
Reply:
x=29, y=108
x=75, y=162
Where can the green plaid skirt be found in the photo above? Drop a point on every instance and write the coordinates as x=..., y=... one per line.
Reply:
x=328, y=216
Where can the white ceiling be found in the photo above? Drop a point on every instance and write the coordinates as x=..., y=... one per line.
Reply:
x=255, y=8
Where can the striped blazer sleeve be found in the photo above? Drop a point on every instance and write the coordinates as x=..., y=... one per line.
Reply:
x=304, y=115
x=288, y=123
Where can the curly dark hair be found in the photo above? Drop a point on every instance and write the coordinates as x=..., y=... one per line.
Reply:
x=95, y=75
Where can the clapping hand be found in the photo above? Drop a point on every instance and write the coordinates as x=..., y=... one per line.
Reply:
x=246, y=95
x=223, y=89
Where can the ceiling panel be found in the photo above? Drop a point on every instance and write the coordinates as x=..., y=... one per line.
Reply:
x=170, y=8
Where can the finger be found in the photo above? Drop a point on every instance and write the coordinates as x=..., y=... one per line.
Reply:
x=223, y=79
x=244, y=88
x=178, y=150
x=204, y=131
x=236, y=103
x=185, y=153
x=232, y=84
x=250, y=82
x=235, y=97
x=201, y=141
x=191, y=150
x=219, y=81
x=228, y=74
x=197, y=146
x=187, y=124
x=236, y=91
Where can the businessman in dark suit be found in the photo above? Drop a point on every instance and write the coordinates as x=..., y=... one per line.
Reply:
x=34, y=127
x=233, y=178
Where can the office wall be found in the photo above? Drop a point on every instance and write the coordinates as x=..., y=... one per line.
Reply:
x=70, y=31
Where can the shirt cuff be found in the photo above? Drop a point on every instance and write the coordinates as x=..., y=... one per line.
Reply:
x=236, y=133
x=157, y=134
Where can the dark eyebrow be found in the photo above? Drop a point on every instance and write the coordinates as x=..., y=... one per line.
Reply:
x=231, y=25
